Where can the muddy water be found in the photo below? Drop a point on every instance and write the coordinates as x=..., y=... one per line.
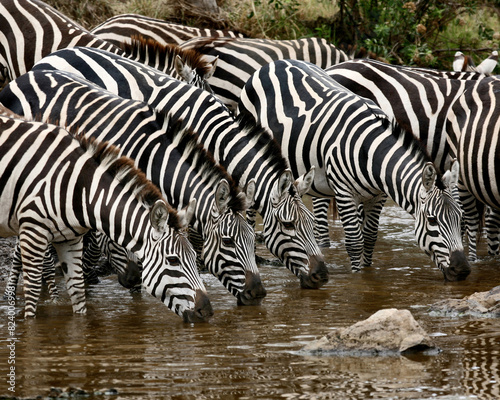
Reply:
x=133, y=344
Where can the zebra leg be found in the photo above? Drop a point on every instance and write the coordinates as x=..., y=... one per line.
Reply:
x=349, y=214
x=70, y=256
x=471, y=217
x=371, y=216
x=91, y=255
x=32, y=251
x=15, y=272
x=321, y=231
x=492, y=224
x=49, y=273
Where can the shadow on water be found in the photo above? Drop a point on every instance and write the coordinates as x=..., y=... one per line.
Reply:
x=133, y=344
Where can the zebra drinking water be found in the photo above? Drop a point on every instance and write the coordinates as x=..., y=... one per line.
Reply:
x=55, y=187
x=360, y=157
x=247, y=151
x=170, y=157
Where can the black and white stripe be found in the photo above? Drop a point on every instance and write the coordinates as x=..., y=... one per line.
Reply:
x=122, y=28
x=31, y=29
x=361, y=157
x=426, y=103
x=247, y=151
x=55, y=188
x=167, y=153
x=239, y=58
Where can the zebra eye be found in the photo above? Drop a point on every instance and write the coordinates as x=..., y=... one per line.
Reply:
x=227, y=241
x=432, y=220
x=173, y=260
x=289, y=225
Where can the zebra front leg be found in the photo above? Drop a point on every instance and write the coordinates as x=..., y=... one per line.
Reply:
x=492, y=224
x=49, y=273
x=472, y=212
x=70, y=256
x=351, y=221
x=321, y=226
x=32, y=249
x=370, y=223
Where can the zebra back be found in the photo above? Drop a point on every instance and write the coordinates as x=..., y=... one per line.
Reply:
x=123, y=28
x=419, y=100
x=31, y=29
x=57, y=188
x=246, y=150
x=239, y=58
x=169, y=155
x=361, y=157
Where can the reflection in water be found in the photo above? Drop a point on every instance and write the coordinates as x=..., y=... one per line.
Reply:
x=132, y=343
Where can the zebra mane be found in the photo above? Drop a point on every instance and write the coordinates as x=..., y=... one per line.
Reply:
x=141, y=46
x=123, y=169
x=203, y=161
x=411, y=141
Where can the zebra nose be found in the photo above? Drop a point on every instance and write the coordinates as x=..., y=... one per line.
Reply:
x=318, y=274
x=253, y=292
x=202, y=309
x=459, y=267
x=131, y=276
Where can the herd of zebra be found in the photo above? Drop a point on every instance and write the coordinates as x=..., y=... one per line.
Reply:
x=157, y=144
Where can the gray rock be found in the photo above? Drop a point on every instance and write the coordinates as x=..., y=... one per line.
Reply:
x=386, y=332
x=479, y=304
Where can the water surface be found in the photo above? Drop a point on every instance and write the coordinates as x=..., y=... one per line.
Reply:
x=134, y=344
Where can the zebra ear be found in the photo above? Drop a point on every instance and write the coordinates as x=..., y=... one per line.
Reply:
x=282, y=186
x=450, y=178
x=429, y=176
x=212, y=65
x=184, y=71
x=249, y=193
x=304, y=182
x=159, y=216
x=222, y=196
x=186, y=214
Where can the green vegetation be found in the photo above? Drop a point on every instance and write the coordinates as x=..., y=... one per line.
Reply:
x=424, y=33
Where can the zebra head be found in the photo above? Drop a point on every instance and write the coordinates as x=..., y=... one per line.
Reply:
x=438, y=223
x=197, y=75
x=289, y=230
x=229, y=245
x=170, y=272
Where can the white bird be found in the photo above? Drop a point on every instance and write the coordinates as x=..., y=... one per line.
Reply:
x=458, y=62
x=489, y=64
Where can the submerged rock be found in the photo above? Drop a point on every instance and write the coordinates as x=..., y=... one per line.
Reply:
x=479, y=304
x=386, y=332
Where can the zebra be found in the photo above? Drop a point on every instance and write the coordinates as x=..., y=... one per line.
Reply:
x=239, y=58
x=361, y=157
x=56, y=186
x=124, y=27
x=419, y=100
x=31, y=29
x=170, y=157
x=248, y=151
x=422, y=101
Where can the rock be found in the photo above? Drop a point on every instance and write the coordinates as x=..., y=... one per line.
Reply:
x=388, y=331
x=479, y=304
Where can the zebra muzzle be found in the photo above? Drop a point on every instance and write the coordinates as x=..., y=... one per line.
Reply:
x=203, y=310
x=253, y=292
x=459, y=267
x=318, y=274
